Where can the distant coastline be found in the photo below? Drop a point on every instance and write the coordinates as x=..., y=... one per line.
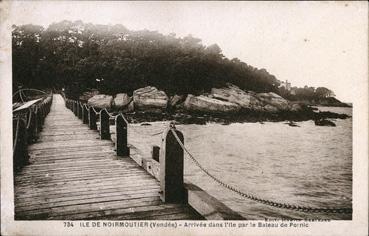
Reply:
x=326, y=102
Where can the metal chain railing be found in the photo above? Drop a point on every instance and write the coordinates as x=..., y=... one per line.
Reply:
x=94, y=110
x=258, y=199
x=113, y=117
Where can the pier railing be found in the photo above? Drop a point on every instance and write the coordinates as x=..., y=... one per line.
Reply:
x=166, y=165
x=28, y=120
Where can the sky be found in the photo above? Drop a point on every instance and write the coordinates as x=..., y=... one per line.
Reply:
x=306, y=43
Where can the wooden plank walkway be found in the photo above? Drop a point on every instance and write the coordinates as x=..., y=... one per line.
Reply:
x=73, y=175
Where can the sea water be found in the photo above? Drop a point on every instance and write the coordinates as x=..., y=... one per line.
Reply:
x=309, y=165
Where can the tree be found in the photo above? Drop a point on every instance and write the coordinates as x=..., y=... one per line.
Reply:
x=75, y=54
x=323, y=92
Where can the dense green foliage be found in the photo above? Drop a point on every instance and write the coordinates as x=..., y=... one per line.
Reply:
x=306, y=93
x=77, y=56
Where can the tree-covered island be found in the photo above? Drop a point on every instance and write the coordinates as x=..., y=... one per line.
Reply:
x=151, y=76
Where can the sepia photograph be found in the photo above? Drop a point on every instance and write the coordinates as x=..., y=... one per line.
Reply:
x=126, y=113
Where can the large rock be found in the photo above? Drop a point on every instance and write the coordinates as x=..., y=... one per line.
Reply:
x=101, y=101
x=210, y=105
x=296, y=107
x=270, y=108
x=121, y=100
x=274, y=100
x=150, y=99
x=324, y=122
x=129, y=108
x=234, y=94
x=176, y=99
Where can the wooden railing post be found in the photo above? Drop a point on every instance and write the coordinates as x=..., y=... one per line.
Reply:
x=80, y=110
x=92, y=119
x=84, y=114
x=43, y=114
x=155, y=152
x=75, y=110
x=104, y=124
x=32, y=132
x=40, y=117
x=77, y=107
x=121, y=144
x=171, y=168
x=36, y=128
x=20, y=153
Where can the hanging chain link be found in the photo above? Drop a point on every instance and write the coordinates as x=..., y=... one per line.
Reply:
x=258, y=199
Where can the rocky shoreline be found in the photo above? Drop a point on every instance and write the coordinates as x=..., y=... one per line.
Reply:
x=252, y=117
x=222, y=105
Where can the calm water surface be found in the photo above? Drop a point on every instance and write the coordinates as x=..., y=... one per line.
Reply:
x=307, y=165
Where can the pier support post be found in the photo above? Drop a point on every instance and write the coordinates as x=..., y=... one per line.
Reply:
x=104, y=124
x=171, y=168
x=155, y=153
x=75, y=108
x=121, y=144
x=92, y=119
x=20, y=153
x=80, y=110
x=36, y=128
x=84, y=114
x=38, y=119
x=32, y=132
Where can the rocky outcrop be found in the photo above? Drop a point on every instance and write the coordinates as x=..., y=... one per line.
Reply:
x=296, y=107
x=175, y=100
x=269, y=102
x=129, y=108
x=121, y=100
x=270, y=108
x=209, y=105
x=150, y=99
x=274, y=100
x=101, y=101
x=233, y=94
x=324, y=122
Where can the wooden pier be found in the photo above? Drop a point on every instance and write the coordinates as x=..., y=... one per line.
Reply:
x=73, y=174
